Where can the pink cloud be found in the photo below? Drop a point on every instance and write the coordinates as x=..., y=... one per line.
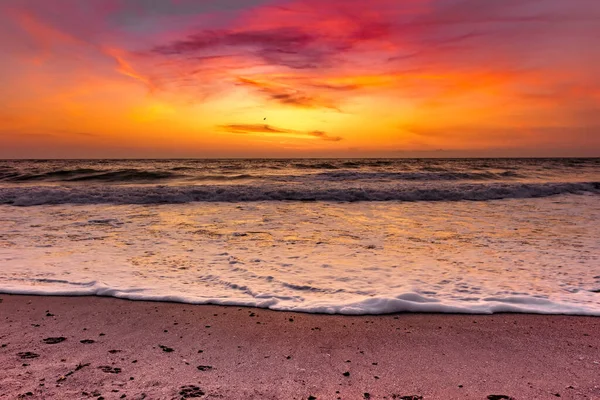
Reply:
x=320, y=54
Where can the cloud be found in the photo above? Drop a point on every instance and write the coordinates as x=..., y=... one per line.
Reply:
x=41, y=36
x=252, y=128
x=316, y=41
x=44, y=133
x=324, y=136
x=271, y=130
x=309, y=54
x=294, y=46
x=287, y=95
x=335, y=87
x=58, y=43
x=127, y=69
x=284, y=46
x=306, y=34
x=454, y=69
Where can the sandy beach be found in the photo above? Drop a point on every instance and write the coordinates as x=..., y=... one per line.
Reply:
x=94, y=347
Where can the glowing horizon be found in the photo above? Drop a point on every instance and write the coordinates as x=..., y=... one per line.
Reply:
x=187, y=79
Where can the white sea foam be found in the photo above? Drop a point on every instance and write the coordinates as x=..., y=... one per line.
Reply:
x=518, y=255
x=370, y=306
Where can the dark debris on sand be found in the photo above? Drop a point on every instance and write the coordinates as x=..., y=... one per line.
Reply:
x=77, y=368
x=109, y=370
x=27, y=355
x=410, y=397
x=165, y=348
x=87, y=341
x=190, y=391
x=54, y=340
x=499, y=397
x=80, y=366
x=205, y=367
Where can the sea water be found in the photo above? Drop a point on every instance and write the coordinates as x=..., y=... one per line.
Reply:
x=356, y=236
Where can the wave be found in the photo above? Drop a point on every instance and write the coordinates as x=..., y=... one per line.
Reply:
x=337, y=164
x=90, y=175
x=133, y=176
x=31, y=196
x=417, y=176
x=406, y=302
x=316, y=166
x=83, y=175
x=223, y=177
x=184, y=168
x=12, y=175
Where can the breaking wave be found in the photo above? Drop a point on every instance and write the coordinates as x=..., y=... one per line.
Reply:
x=89, y=175
x=162, y=194
x=131, y=176
x=439, y=175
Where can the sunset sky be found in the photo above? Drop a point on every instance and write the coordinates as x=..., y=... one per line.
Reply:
x=341, y=78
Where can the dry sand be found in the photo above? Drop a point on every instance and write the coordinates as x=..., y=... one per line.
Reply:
x=136, y=350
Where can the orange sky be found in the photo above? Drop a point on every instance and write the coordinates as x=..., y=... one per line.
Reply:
x=342, y=78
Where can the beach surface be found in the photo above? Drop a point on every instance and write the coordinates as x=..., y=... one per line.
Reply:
x=107, y=348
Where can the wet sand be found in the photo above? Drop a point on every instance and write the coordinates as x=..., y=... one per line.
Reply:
x=105, y=348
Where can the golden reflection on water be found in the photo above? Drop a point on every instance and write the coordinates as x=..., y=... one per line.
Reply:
x=448, y=251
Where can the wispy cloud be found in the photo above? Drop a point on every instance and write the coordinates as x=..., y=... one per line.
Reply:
x=272, y=130
x=287, y=95
x=125, y=68
x=324, y=136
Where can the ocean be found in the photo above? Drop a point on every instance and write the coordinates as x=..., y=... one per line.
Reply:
x=345, y=236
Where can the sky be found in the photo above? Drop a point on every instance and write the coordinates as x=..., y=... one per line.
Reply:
x=299, y=78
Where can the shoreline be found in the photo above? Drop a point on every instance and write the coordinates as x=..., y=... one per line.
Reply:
x=152, y=349
x=506, y=308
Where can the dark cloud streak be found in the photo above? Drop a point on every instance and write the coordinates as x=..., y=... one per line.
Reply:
x=268, y=129
x=289, y=46
x=287, y=95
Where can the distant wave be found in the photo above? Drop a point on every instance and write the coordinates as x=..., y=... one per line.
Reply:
x=118, y=176
x=222, y=177
x=439, y=175
x=89, y=175
x=183, y=168
x=294, y=171
x=30, y=196
x=13, y=175
x=323, y=165
x=132, y=176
